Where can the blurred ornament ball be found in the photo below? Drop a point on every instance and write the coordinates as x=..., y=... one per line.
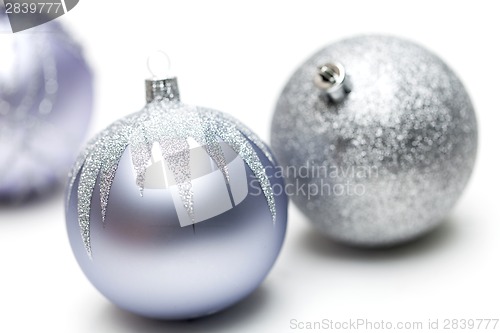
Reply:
x=378, y=139
x=45, y=107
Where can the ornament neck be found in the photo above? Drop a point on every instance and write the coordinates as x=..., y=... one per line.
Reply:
x=162, y=89
x=333, y=80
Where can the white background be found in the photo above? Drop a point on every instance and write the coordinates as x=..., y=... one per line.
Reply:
x=236, y=56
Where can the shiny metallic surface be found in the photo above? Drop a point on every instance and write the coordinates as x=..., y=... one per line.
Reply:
x=46, y=98
x=162, y=89
x=388, y=162
x=333, y=79
x=171, y=211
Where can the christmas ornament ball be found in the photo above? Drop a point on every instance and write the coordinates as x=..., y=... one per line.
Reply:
x=45, y=107
x=377, y=137
x=171, y=212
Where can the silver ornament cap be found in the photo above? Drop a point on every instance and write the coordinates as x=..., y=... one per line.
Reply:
x=162, y=85
x=384, y=157
x=162, y=89
x=332, y=79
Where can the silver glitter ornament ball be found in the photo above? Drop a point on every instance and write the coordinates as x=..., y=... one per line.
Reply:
x=377, y=137
x=171, y=211
x=46, y=97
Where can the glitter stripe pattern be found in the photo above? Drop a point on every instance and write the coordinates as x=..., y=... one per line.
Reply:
x=170, y=124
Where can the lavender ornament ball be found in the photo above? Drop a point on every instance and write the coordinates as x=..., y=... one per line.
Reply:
x=45, y=106
x=378, y=138
x=171, y=211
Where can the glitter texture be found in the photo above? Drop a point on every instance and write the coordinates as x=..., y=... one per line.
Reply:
x=387, y=163
x=170, y=124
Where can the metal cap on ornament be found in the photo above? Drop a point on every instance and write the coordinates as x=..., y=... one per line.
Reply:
x=162, y=85
x=332, y=79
